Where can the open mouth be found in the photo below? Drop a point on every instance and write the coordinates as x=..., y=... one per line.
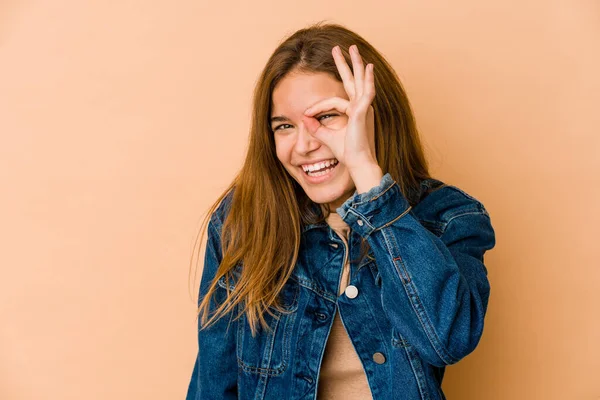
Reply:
x=323, y=171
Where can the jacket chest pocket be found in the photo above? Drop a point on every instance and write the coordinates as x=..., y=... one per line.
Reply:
x=268, y=352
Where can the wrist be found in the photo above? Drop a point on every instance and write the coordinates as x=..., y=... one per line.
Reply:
x=366, y=176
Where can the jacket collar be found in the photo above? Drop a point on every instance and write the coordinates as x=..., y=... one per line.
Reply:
x=414, y=197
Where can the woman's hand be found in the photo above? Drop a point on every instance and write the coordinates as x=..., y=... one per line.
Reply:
x=353, y=145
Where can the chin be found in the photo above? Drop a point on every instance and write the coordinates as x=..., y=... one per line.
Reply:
x=335, y=191
x=322, y=199
x=334, y=194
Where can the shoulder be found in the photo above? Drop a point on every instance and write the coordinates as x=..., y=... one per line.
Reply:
x=440, y=203
x=220, y=213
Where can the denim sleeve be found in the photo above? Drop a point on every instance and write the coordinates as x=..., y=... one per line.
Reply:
x=434, y=290
x=215, y=371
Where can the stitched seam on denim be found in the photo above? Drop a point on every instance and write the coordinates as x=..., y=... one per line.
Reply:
x=287, y=336
x=399, y=343
x=404, y=276
x=417, y=371
x=221, y=283
x=467, y=213
x=213, y=228
x=260, y=370
x=433, y=224
x=395, y=219
x=261, y=387
x=309, y=285
x=385, y=190
x=364, y=264
x=270, y=346
x=428, y=327
x=240, y=336
x=372, y=265
x=409, y=287
x=370, y=227
x=294, y=305
x=231, y=320
x=376, y=197
x=408, y=355
x=381, y=334
x=464, y=193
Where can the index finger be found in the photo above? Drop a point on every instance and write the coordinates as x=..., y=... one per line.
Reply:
x=344, y=70
x=330, y=103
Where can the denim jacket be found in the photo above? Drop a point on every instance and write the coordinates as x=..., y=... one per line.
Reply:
x=422, y=296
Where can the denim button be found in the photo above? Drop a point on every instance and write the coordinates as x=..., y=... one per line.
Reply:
x=359, y=222
x=321, y=316
x=334, y=245
x=351, y=291
x=379, y=358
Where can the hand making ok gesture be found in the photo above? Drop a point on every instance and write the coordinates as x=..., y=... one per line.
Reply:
x=354, y=144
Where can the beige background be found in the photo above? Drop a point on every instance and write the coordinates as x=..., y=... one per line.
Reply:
x=121, y=121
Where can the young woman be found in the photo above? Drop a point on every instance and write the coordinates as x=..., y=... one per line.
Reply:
x=335, y=266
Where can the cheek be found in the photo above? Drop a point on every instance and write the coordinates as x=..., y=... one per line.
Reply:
x=282, y=149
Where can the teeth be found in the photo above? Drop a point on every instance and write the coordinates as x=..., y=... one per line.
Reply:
x=320, y=169
x=318, y=166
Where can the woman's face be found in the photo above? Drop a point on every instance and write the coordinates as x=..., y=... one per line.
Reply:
x=296, y=147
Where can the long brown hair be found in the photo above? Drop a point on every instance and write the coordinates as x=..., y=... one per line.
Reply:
x=268, y=207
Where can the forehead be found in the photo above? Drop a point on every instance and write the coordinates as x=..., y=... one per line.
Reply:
x=299, y=90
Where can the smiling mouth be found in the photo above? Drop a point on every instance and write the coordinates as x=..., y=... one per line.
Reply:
x=323, y=171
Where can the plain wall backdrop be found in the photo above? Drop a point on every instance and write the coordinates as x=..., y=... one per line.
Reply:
x=121, y=122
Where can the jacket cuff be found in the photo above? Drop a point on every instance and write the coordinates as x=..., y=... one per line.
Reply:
x=372, y=210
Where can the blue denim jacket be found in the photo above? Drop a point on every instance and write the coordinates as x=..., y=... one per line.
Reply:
x=422, y=297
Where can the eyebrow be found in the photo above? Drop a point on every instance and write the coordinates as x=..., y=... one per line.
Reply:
x=279, y=118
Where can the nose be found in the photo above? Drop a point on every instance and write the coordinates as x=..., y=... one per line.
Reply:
x=305, y=142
